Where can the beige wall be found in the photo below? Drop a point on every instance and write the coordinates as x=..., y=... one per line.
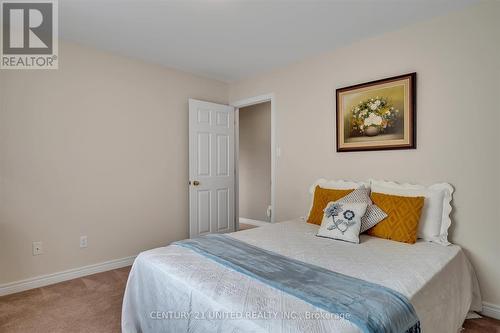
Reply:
x=255, y=161
x=97, y=148
x=457, y=58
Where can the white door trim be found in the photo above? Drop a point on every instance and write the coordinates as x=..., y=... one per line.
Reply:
x=274, y=149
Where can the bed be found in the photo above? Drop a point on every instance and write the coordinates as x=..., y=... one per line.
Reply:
x=175, y=289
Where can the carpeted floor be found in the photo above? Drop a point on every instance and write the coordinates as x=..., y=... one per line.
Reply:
x=89, y=304
x=93, y=305
x=244, y=226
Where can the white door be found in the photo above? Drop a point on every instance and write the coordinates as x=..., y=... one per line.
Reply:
x=211, y=168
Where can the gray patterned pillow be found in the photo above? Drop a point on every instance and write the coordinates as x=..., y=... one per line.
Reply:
x=373, y=214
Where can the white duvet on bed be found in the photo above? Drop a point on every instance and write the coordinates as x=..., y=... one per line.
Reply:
x=173, y=289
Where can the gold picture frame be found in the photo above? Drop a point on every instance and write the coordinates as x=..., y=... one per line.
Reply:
x=377, y=115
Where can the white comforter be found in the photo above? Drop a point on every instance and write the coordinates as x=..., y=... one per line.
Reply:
x=173, y=289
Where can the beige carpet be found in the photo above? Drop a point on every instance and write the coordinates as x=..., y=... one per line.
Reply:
x=90, y=304
x=244, y=226
x=93, y=305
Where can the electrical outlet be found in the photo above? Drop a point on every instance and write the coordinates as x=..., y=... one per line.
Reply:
x=37, y=248
x=83, y=241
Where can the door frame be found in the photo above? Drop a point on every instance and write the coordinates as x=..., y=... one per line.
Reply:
x=274, y=151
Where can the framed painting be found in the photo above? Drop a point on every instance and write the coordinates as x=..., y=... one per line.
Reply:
x=377, y=115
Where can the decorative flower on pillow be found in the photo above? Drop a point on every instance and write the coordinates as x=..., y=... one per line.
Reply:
x=349, y=214
x=333, y=210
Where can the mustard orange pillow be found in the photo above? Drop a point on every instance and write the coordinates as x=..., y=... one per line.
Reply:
x=403, y=215
x=322, y=196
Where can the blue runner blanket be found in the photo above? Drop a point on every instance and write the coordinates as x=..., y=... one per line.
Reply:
x=372, y=307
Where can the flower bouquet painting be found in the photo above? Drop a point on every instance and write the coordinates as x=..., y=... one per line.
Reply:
x=377, y=115
x=373, y=116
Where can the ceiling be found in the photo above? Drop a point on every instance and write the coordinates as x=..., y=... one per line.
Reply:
x=232, y=40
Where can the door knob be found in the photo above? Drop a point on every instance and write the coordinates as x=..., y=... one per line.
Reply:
x=196, y=183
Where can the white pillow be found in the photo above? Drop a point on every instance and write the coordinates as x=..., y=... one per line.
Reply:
x=435, y=218
x=342, y=221
x=337, y=184
x=333, y=184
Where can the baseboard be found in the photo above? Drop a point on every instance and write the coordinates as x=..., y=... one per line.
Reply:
x=45, y=280
x=253, y=222
x=491, y=310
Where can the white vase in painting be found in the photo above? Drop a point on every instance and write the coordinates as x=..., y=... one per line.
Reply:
x=372, y=131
